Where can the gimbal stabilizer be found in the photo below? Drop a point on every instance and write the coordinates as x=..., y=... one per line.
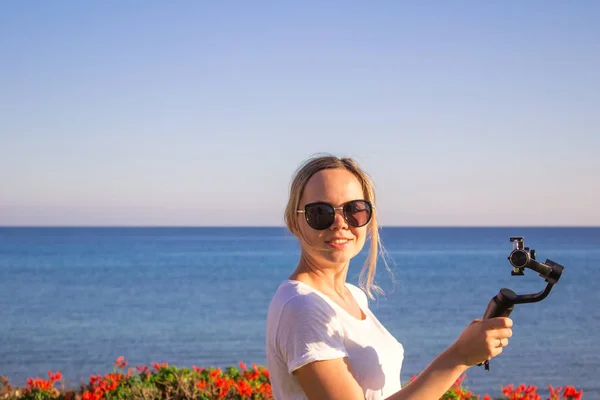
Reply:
x=520, y=258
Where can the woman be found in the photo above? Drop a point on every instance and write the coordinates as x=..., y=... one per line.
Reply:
x=323, y=342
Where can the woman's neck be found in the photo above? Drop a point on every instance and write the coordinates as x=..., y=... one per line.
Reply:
x=325, y=278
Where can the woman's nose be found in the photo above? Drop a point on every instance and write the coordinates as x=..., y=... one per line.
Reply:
x=338, y=219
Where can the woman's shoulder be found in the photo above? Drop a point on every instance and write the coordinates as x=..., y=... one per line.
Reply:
x=296, y=299
x=295, y=295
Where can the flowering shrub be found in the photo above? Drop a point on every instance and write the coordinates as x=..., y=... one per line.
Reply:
x=162, y=381
x=522, y=392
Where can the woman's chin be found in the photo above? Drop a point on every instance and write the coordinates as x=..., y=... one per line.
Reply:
x=342, y=256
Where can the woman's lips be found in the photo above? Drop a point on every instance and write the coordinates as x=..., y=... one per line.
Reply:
x=338, y=243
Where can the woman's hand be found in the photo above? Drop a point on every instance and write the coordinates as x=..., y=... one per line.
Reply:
x=482, y=340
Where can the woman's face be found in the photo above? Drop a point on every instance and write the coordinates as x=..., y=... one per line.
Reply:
x=341, y=241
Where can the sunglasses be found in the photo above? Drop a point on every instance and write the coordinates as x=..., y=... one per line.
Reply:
x=321, y=215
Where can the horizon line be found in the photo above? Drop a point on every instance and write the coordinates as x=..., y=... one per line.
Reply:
x=283, y=226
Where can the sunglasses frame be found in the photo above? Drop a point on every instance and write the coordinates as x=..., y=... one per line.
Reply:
x=341, y=207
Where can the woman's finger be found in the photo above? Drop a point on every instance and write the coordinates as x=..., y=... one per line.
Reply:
x=501, y=333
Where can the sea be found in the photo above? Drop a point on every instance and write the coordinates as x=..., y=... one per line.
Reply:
x=74, y=299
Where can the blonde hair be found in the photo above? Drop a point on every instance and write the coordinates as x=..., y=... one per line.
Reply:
x=303, y=174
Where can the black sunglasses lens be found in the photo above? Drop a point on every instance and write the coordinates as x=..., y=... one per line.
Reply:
x=357, y=213
x=319, y=216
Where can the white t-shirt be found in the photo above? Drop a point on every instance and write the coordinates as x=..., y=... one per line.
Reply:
x=304, y=325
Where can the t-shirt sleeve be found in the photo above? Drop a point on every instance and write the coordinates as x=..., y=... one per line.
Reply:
x=308, y=331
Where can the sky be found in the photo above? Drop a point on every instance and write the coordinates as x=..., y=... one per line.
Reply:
x=192, y=113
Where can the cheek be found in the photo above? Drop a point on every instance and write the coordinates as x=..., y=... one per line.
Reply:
x=360, y=234
x=308, y=235
x=361, y=238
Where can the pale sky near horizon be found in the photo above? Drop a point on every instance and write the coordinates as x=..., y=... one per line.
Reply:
x=198, y=113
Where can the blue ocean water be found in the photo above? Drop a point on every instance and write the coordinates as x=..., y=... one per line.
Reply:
x=74, y=299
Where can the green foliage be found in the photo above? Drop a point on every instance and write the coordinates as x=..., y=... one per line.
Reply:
x=163, y=381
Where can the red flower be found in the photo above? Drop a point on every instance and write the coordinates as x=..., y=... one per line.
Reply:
x=120, y=362
x=570, y=393
x=38, y=384
x=54, y=377
x=265, y=390
x=521, y=393
x=158, y=366
x=90, y=396
x=215, y=373
x=142, y=368
x=244, y=388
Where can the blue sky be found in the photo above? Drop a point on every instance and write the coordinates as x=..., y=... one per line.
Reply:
x=198, y=113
